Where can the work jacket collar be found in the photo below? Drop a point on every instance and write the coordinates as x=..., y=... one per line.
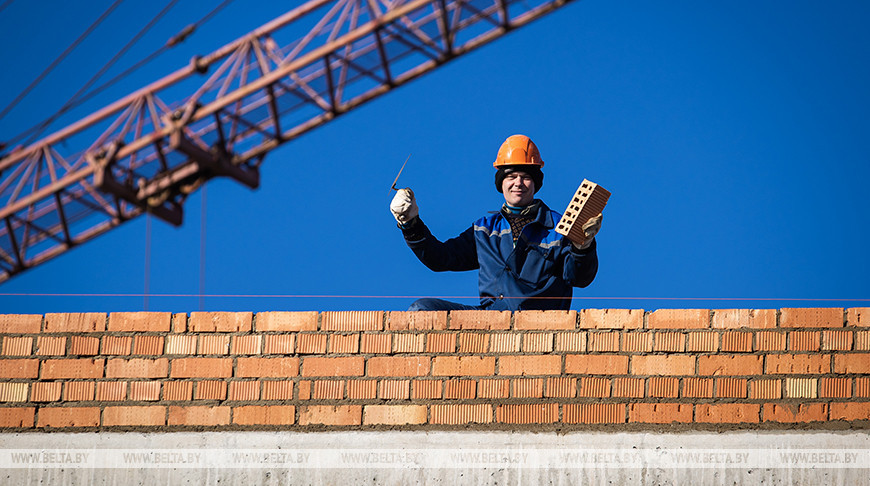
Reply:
x=537, y=210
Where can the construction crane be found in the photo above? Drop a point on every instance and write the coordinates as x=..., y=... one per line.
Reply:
x=221, y=114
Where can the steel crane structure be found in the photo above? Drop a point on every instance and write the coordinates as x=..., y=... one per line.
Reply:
x=221, y=114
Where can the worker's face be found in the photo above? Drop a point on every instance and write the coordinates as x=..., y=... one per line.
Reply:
x=518, y=189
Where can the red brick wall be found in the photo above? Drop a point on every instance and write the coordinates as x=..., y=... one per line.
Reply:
x=530, y=370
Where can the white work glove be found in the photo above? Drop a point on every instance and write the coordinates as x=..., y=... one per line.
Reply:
x=404, y=206
x=590, y=229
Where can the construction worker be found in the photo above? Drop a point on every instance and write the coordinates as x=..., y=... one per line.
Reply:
x=523, y=263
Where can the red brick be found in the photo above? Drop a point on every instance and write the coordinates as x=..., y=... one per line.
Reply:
x=267, y=367
x=394, y=414
x=804, y=340
x=628, y=387
x=304, y=390
x=19, y=368
x=71, y=368
x=679, y=319
x=140, y=321
x=791, y=413
x=51, y=346
x=344, y=343
x=533, y=319
x=199, y=415
x=214, y=344
x=661, y=387
x=203, y=367
x=362, y=389
x=179, y=322
x=765, y=389
x=825, y=317
x=78, y=391
x=862, y=341
x=398, y=366
x=14, y=392
x=544, y=364
x=851, y=363
x=603, y=341
x=278, y=390
x=376, y=343
x=280, y=344
x=286, y=321
x=460, y=389
x=138, y=368
x=473, y=342
x=770, y=341
x=743, y=318
x=330, y=415
x=611, y=319
x=84, y=346
x=210, y=390
x=659, y=413
x=15, y=417
x=572, y=342
x=423, y=389
x=667, y=364
x=311, y=343
x=698, y=387
x=505, y=343
x=731, y=388
x=68, y=417
x=858, y=316
x=727, y=413
x=408, y=343
x=862, y=386
x=637, y=342
x=561, y=387
x=673, y=342
x=531, y=413
x=134, y=416
x=352, y=321
x=343, y=366
x=328, y=390
x=220, y=322
x=111, y=391
x=594, y=413
x=244, y=390
x=837, y=340
x=417, y=321
x=493, y=388
x=736, y=342
x=603, y=364
x=591, y=386
x=181, y=344
x=528, y=388
x=146, y=391
x=461, y=414
x=463, y=366
x=20, y=324
x=17, y=346
x=178, y=390
x=117, y=345
x=246, y=344
x=850, y=411
x=702, y=341
x=88, y=322
x=45, y=391
x=797, y=363
x=801, y=387
x=264, y=415
x=479, y=319
x=835, y=387
x=729, y=365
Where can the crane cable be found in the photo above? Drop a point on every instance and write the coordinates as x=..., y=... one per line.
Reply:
x=59, y=58
x=78, y=99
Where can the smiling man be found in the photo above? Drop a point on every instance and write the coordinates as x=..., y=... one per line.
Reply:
x=524, y=264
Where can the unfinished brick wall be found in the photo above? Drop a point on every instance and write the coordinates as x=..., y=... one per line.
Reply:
x=480, y=369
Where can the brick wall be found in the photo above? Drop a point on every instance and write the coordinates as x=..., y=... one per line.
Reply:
x=529, y=370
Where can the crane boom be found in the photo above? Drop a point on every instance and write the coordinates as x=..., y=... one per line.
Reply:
x=148, y=151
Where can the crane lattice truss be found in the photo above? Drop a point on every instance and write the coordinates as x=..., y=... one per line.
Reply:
x=148, y=151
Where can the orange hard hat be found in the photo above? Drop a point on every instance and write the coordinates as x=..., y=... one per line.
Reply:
x=518, y=150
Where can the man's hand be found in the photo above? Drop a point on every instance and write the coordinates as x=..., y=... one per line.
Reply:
x=404, y=206
x=590, y=229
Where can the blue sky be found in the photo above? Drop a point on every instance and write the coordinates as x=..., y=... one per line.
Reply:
x=734, y=137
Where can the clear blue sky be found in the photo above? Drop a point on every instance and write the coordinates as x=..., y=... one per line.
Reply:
x=734, y=136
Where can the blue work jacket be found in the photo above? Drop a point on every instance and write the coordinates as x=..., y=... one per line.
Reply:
x=538, y=272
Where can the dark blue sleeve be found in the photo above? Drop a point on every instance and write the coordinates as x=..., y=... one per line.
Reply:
x=456, y=254
x=581, y=266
